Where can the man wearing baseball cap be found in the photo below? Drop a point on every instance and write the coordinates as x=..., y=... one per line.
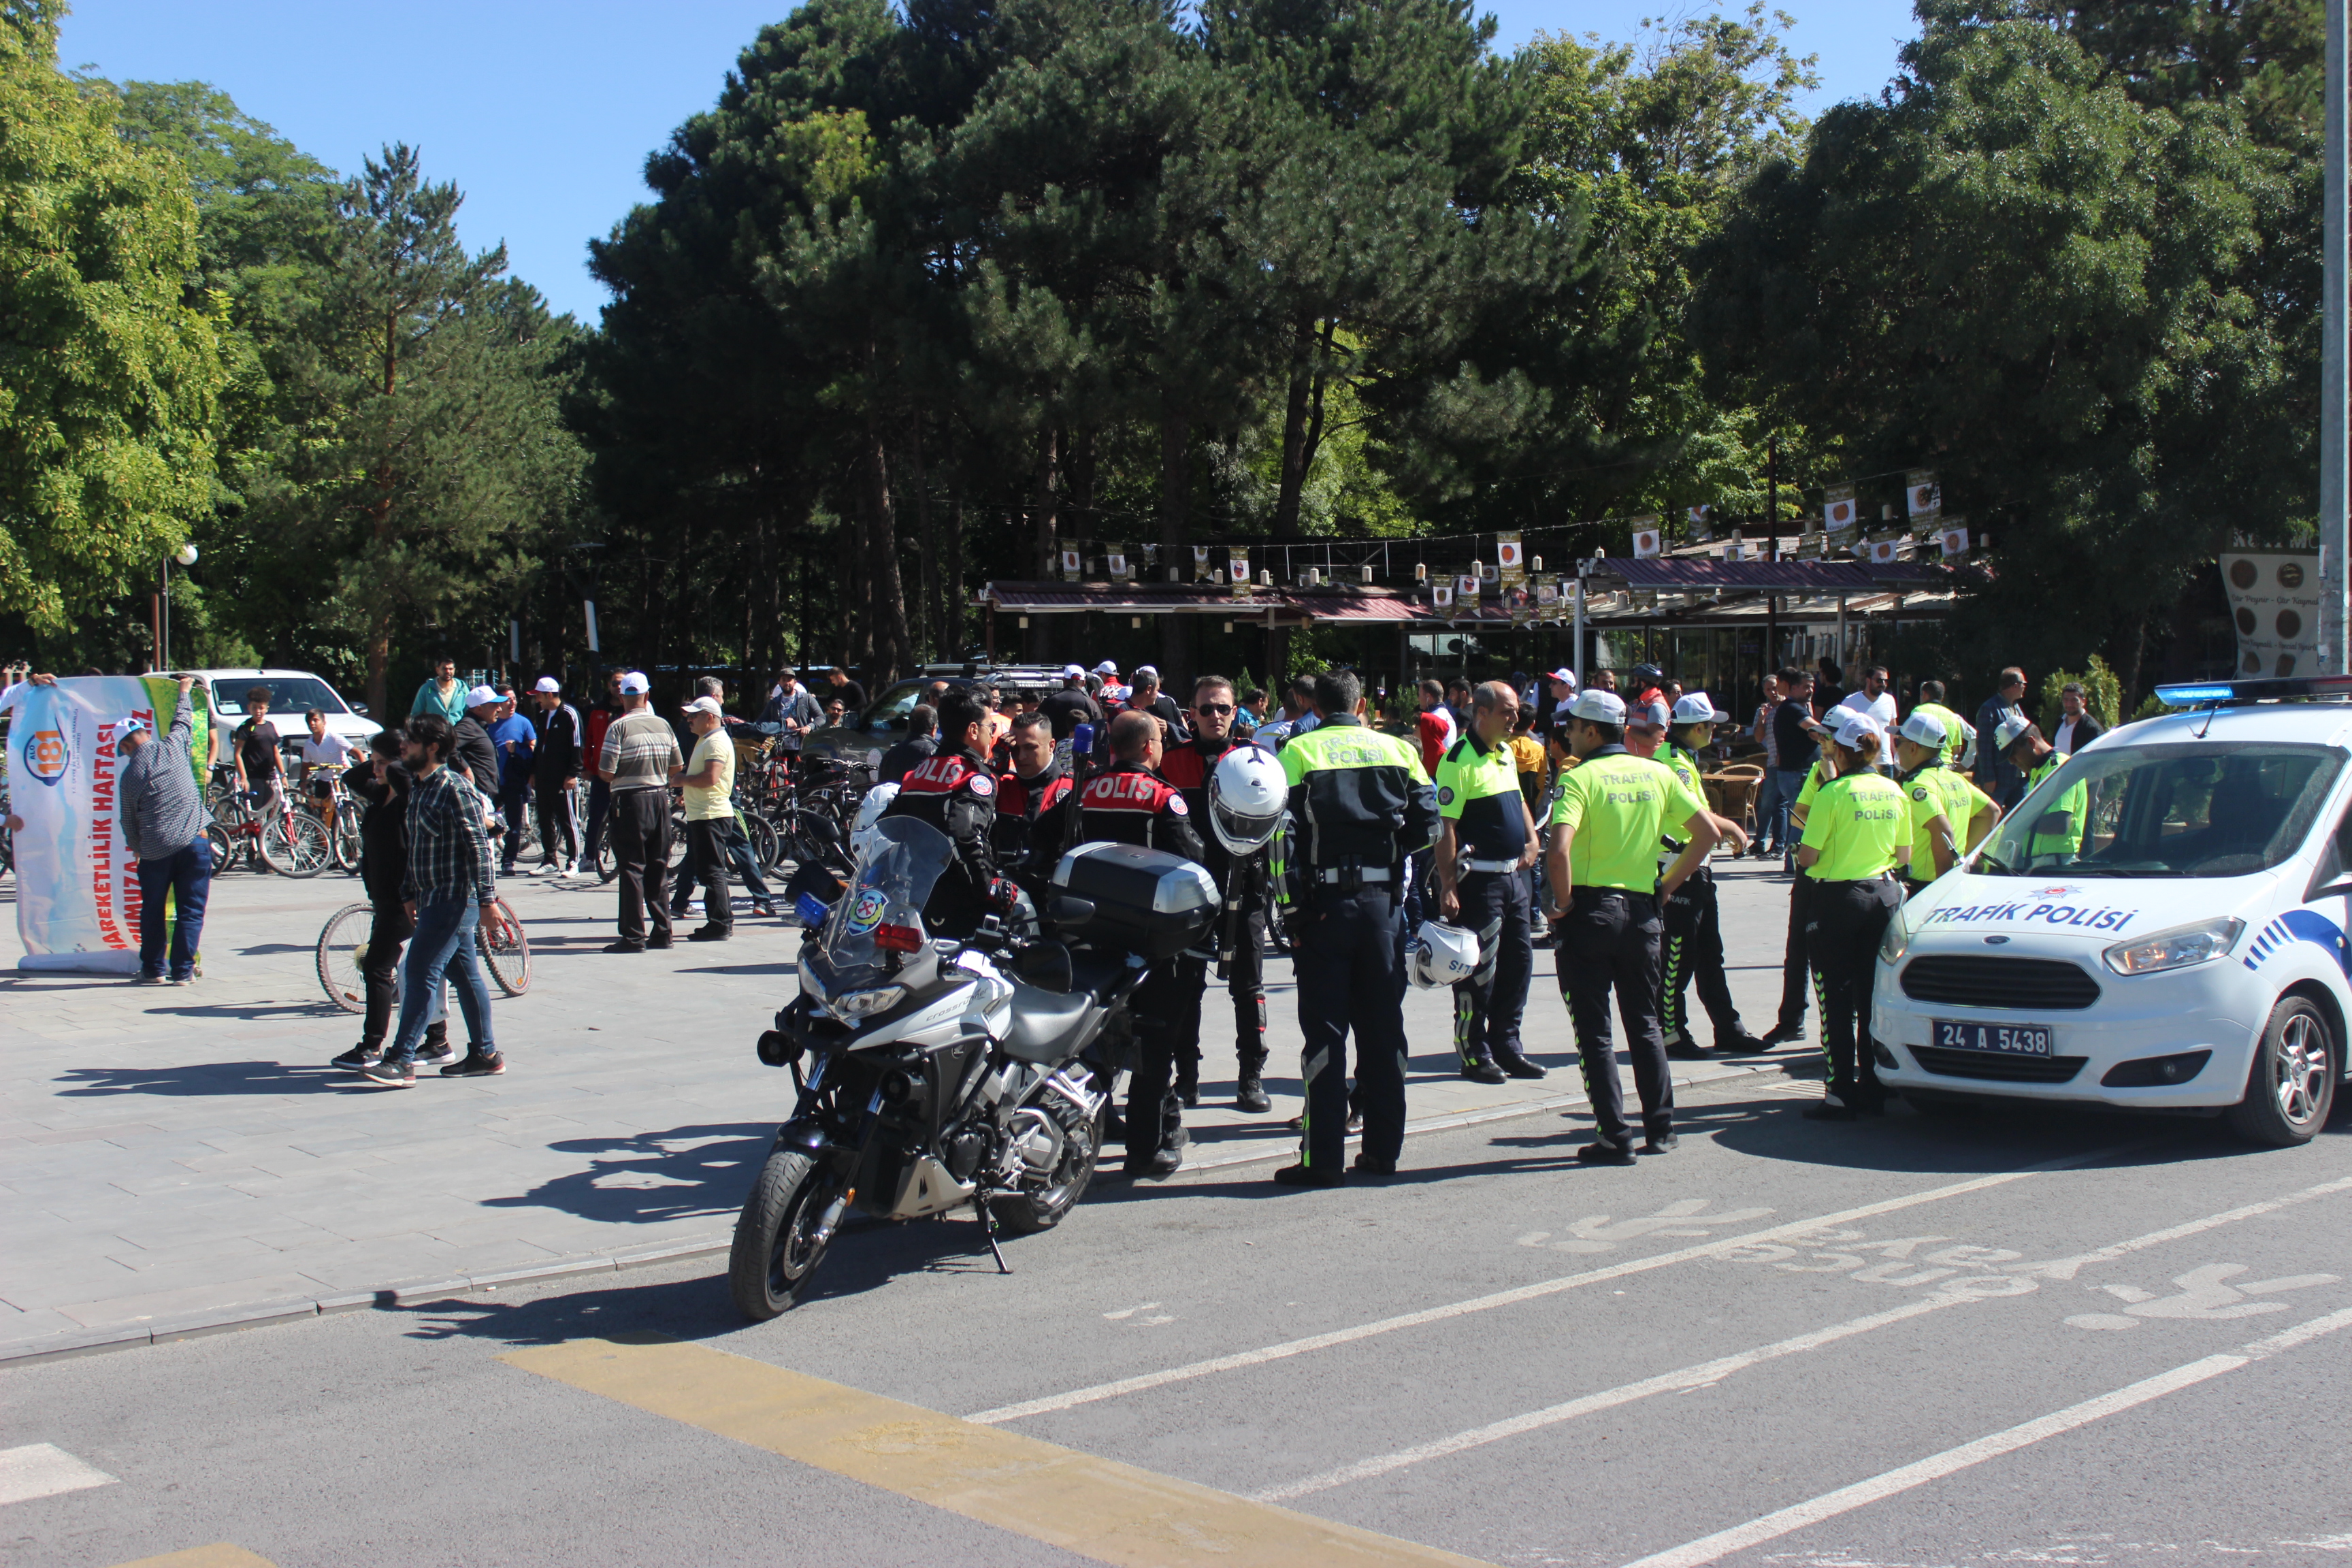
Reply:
x=710, y=817
x=162, y=820
x=2058, y=830
x=555, y=768
x=1606, y=822
x=640, y=761
x=1946, y=807
x=1113, y=692
x=476, y=756
x=1070, y=707
x=1693, y=948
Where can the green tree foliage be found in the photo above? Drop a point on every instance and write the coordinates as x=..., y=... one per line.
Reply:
x=427, y=457
x=2069, y=261
x=109, y=375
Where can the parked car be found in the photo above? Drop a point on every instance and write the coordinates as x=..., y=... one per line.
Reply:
x=861, y=738
x=292, y=692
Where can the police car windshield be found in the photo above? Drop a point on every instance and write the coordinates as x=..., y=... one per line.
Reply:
x=2198, y=810
x=290, y=695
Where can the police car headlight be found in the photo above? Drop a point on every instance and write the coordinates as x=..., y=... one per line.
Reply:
x=1898, y=940
x=863, y=1004
x=2175, y=949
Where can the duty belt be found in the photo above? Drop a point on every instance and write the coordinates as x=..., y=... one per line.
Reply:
x=1495, y=866
x=1360, y=873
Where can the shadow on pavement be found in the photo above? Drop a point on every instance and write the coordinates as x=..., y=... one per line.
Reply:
x=204, y=1078
x=685, y=1173
x=865, y=1255
x=321, y=1008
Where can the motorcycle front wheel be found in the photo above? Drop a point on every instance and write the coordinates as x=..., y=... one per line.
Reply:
x=776, y=1249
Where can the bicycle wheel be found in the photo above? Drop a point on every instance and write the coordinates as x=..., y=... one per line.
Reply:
x=766, y=852
x=346, y=842
x=339, y=946
x=224, y=845
x=295, y=845
x=601, y=856
x=508, y=955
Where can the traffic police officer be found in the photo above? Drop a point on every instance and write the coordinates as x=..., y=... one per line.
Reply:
x=1362, y=803
x=1486, y=843
x=1605, y=825
x=1950, y=814
x=1241, y=922
x=1694, y=920
x=1857, y=833
x=2058, y=830
x=1960, y=750
x=955, y=791
x=1129, y=802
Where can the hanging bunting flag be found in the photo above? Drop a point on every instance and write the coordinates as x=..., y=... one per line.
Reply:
x=1733, y=552
x=1882, y=552
x=1073, y=564
x=1511, y=558
x=1238, y=563
x=1201, y=563
x=1441, y=595
x=1955, y=539
x=1548, y=594
x=1838, y=509
x=1646, y=541
x=1702, y=524
x=1465, y=589
x=1118, y=561
x=1923, y=496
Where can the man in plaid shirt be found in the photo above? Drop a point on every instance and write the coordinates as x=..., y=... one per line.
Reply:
x=450, y=888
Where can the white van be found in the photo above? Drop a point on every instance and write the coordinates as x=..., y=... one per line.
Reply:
x=2179, y=944
x=292, y=692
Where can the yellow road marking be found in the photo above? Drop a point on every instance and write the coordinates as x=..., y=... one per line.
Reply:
x=1092, y=1507
x=220, y=1554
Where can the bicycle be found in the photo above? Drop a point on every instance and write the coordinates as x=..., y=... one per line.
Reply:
x=270, y=833
x=344, y=835
x=345, y=938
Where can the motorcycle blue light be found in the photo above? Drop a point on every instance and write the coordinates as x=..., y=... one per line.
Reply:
x=811, y=911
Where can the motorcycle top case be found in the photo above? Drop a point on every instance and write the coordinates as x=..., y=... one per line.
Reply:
x=1145, y=901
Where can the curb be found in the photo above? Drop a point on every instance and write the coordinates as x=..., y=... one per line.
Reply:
x=413, y=1293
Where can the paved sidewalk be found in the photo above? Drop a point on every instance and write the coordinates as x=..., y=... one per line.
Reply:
x=180, y=1158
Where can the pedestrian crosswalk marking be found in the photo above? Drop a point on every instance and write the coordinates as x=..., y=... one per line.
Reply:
x=1092, y=1506
x=44, y=1469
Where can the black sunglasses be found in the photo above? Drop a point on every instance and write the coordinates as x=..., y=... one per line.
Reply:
x=1212, y=707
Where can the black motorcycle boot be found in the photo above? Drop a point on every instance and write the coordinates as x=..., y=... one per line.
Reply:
x=1515, y=1064
x=1249, y=1090
x=1187, y=1077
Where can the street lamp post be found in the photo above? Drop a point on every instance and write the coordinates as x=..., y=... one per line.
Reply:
x=186, y=556
x=2335, y=607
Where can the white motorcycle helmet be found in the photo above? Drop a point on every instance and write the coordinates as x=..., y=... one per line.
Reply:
x=1247, y=794
x=1441, y=954
x=869, y=812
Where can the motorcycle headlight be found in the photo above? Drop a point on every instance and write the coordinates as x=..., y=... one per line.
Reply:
x=2175, y=949
x=864, y=1003
x=1898, y=940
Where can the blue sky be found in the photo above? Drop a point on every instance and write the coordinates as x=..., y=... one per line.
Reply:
x=544, y=112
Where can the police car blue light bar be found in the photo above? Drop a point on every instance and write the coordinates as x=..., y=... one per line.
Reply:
x=2211, y=693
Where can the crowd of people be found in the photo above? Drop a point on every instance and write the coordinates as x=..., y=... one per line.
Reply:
x=1438, y=846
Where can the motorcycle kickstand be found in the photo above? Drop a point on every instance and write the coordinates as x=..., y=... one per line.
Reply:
x=988, y=1229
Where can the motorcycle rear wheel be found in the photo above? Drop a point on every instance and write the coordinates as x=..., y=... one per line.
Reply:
x=1031, y=1210
x=775, y=1251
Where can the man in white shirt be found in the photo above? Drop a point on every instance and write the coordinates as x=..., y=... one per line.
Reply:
x=328, y=752
x=1874, y=699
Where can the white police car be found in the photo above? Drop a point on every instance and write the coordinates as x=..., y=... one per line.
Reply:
x=2159, y=925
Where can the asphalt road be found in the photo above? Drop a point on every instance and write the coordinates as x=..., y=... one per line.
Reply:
x=2045, y=1336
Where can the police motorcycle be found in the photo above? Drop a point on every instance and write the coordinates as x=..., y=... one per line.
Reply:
x=935, y=1074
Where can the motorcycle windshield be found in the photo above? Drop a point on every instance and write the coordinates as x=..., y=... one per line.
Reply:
x=881, y=918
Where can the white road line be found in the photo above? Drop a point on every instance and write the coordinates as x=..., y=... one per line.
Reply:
x=1772, y=1526
x=1698, y=1376
x=2067, y=1268
x=44, y=1469
x=1513, y=1297
x=1710, y=1371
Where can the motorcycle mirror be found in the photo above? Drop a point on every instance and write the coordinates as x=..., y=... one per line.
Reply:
x=1070, y=912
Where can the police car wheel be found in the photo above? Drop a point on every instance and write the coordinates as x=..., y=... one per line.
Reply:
x=2292, y=1086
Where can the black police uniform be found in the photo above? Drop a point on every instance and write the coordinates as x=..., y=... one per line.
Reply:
x=955, y=793
x=1030, y=832
x=1694, y=939
x=1129, y=803
x=1362, y=803
x=1478, y=789
x=1241, y=937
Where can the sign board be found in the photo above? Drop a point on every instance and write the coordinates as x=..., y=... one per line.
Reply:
x=2274, y=602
